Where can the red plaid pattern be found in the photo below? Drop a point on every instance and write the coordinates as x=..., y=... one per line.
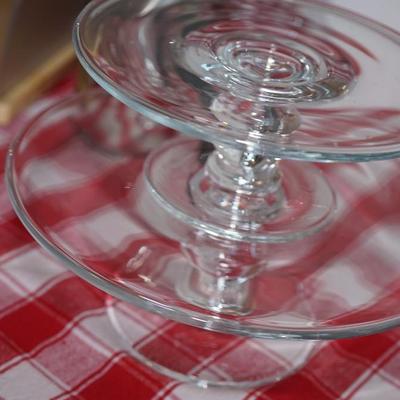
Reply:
x=56, y=340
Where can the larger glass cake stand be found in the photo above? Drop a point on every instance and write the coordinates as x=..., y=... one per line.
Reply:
x=239, y=233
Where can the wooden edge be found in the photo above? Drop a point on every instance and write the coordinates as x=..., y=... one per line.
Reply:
x=23, y=93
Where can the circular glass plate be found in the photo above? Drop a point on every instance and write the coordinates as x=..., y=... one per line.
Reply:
x=308, y=204
x=81, y=202
x=245, y=73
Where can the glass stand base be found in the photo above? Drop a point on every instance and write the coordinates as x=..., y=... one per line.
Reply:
x=205, y=358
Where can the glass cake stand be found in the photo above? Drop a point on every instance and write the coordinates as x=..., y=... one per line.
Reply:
x=237, y=234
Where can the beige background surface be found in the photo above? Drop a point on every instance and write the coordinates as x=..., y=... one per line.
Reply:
x=385, y=11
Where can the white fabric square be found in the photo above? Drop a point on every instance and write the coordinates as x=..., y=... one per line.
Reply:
x=193, y=393
x=377, y=388
x=46, y=175
x=33, y=268
x=111, y=226
x=7, y=295
x=342, y=280
x=5, y=205
x=101, y=328
x=71, y=350
x=25, y=382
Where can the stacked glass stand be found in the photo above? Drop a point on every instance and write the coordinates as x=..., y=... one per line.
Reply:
x=251, y=228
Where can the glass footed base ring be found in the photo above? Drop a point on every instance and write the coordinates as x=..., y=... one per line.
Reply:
x=205, y=358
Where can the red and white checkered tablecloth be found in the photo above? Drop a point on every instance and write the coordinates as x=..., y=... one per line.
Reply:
x=56, y=341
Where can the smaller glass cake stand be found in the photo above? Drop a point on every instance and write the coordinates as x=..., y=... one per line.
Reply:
x=237, y=234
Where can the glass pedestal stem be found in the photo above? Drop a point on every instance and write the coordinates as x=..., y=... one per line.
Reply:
x=239, y=190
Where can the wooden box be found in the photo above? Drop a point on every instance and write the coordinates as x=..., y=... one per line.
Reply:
x=35, y=48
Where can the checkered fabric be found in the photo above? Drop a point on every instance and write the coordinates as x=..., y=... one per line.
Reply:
x=57, y=342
